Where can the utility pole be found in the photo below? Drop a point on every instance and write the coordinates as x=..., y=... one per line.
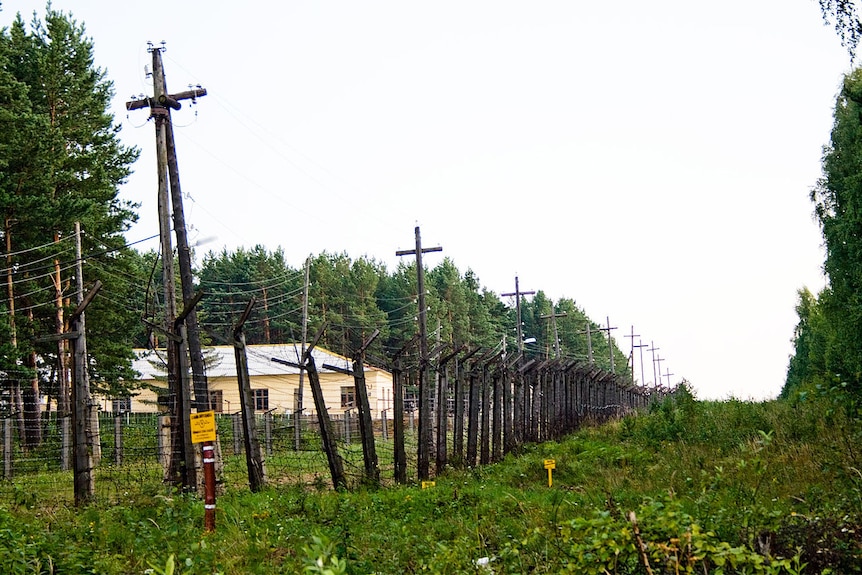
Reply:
x=610, y=342
x=63, y=397
x=518, y=293
x=170, y=200
x=425, y=388
x=589, y=333
x=553, y=317
x=641, y=347
x=82, y=412
x=658, y=361
x=632, y=352
x=667, y=375
x=652, y=350
x=297, y=416
x=17, y=399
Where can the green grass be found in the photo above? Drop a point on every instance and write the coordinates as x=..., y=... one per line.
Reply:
x=714, y=487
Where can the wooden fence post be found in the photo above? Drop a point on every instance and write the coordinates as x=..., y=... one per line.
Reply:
x=7, y=448
x=253, y=458
x=336, y=466
x=485, y=419
x=236, y=425
x=400, y=454
x=497, y=413
x=267, y=431
x=473, y=414
x=366, y=426
x=458, y=420
x=443, y=409
x=345, y=426
x=118, y=439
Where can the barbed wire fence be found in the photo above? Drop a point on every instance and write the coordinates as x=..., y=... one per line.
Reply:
x=487, y=414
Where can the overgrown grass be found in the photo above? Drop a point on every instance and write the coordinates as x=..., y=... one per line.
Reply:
x=690, y=487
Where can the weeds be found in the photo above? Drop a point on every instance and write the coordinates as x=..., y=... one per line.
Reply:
x=691, y=487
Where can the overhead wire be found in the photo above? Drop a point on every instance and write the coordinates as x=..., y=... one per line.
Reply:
x=43, y=246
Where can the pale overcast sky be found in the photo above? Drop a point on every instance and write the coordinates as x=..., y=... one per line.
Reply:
x=650, y=160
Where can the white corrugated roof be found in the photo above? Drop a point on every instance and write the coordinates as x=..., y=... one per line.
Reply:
x=221, y=361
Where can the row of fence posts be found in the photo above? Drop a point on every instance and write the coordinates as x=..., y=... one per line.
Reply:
x=504, y=403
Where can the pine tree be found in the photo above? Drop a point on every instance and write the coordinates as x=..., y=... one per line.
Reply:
x=63, y=164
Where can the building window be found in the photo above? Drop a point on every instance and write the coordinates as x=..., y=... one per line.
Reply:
x=121, y=405
x=261, y=399
x=348, y=397
x=216, y=401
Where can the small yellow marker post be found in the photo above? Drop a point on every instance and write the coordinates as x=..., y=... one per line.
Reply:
x=550, y=465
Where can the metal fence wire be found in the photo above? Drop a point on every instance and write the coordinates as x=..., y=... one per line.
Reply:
x=131, y=452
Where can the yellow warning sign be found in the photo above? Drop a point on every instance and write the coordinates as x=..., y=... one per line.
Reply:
x=428, y=484
x=203, y=426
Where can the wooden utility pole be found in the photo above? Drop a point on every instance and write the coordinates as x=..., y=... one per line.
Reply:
x=589, y=333
x=553, y=317
x=658, y=361
x=425, y=389
x=518, y=404
x=17, y=397
x=160, y=115
x=610, y=342
x=170, y=200
x=518, y=293
x=652, y=350
x=667, y=375
x=640, y=346
x=81, y=413
x=632, y=335
x=297, y=415
x=63, y=397
x=167, y=102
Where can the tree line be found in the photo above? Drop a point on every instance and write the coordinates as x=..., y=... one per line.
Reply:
x=62, y=163
x=828, y=336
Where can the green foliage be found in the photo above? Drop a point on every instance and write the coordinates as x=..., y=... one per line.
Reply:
x=320, y=558
x=844, y=17
x=691, y=487
x=838, y=207
x=811, y=339
x=61, y=162
x=231, y=280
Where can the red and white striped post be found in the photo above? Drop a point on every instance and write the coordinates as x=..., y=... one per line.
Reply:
x=209, y=486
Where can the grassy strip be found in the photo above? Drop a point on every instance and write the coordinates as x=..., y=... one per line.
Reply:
x=715, y=487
